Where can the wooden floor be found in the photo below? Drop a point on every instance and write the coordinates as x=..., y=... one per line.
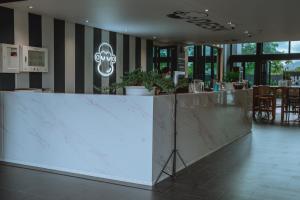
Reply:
x=261, y=166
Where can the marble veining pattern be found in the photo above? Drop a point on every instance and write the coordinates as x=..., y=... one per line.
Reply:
x=205, y=123
x=118, y=137
x=103, y=136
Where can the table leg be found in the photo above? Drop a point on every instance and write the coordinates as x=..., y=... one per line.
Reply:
x=282, y=106
x=274, y=109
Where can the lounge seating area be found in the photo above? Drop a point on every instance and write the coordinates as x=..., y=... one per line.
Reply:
x=266, y=100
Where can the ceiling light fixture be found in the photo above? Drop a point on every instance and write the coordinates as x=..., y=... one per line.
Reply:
x=30, y=7
x=229, y=23
x=206, y=10
x=87, y=21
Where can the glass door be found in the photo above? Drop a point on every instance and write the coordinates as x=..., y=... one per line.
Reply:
x=211, y=64
x=165, y=59
x=249, y=71
x=208, y=66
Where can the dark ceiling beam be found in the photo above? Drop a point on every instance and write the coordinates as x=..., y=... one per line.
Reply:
x=9, y=1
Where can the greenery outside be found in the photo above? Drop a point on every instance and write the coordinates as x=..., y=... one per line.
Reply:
x=278, y=66
x=191, y=69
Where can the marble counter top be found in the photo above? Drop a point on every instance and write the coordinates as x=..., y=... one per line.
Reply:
x=119, y=138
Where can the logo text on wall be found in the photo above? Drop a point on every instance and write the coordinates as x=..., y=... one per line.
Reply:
x=106, y=59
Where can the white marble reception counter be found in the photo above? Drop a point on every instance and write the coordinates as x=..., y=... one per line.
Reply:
x=206, y=122
x=120, y=138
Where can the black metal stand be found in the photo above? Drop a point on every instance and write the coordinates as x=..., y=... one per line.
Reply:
x=174, y=152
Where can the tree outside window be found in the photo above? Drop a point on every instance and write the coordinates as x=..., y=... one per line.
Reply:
x=276, y=47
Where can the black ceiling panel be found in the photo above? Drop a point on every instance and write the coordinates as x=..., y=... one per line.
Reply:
x=9, y=1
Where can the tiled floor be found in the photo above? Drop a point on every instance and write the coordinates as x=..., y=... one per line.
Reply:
x=261, y=166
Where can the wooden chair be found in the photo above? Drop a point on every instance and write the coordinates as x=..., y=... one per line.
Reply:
x=292, y=104
x=264, y=103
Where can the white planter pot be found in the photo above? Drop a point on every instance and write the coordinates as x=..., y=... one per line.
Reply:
x=137, y=91
x=229, y=86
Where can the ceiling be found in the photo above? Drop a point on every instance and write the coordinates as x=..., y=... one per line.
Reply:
x=265, y=20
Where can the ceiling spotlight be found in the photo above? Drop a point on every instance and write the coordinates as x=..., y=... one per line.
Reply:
x=30, y=7
x=206, y=10
x=229, y=23
x=246, y=32
x=87, y=21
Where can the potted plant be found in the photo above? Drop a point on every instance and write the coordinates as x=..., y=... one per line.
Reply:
x=140, y=83
x=232, y=77
x=232, y=81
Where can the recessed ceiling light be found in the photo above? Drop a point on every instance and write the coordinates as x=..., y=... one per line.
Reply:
x=30, y=7
x=87, y=21
x=206, y=10
x=246, y=32
x=229, y=23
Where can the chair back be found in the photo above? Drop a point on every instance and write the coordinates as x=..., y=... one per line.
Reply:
x=264, y=90
x=294, y=92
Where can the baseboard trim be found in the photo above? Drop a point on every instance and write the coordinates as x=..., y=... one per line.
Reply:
x=80, y=176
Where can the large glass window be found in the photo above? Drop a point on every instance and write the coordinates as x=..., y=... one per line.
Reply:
x=190, y=69
x=216, y=70
x=284, y=70
x=276, y=69
x=207, y=51
x=276, y=47
x=163, y=66
x=292, y=65
x=244, y=49
x=207, y=72
x=191, y=51
x=215, y=52
x=163, y=53
x=249, y=72
x=163, y=60
x=295, y=47
x=208, y=66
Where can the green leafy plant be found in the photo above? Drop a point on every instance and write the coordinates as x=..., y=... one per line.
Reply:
x=232, y=77
x=150, y=80
x=286, y=75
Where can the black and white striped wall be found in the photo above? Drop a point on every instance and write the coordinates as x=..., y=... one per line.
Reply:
x=71, y=52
